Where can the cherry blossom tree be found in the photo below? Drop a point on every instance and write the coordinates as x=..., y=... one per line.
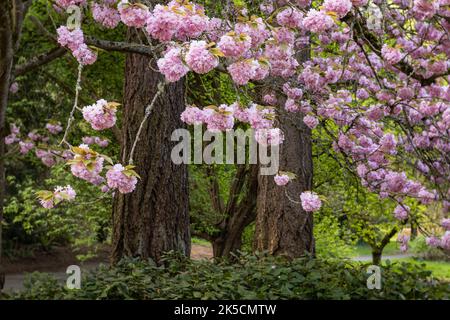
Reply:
x=372, y=74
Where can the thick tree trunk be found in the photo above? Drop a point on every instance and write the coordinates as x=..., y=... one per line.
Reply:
x=154, y=218
x=6, y=62
x=282, y=226
x=230, y=239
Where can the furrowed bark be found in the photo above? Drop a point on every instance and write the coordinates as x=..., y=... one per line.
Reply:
x=154, y=218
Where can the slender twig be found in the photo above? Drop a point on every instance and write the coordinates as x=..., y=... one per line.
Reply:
x=148, y=111
x=75, y=106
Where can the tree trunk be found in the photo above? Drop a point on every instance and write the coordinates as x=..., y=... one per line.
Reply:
x=230, y=239
x=376, y=256
x=154, y=218
x=282, y=226
x=6, y=62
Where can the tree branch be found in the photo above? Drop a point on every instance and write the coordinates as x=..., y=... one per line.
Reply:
x=39, y=61
x=119, y=46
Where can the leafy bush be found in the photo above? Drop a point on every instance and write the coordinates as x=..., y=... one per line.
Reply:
x=251, y=277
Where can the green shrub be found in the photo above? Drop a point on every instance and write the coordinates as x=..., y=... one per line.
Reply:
x=251, y=277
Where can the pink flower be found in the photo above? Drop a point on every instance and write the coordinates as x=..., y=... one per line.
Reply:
x=403, y=240
x=401, y=212
x=133, y=15
x=270, y=99
x=259, y=117
x=199, y=58
x=46, y=157
x=87, y=165
x=256, y=29
x=106, y=15
x=14, y=88
x=425, y=9
x=391, y=55
x=54, y=128
x=233, y=45
x=118, y=179
x=317, y=21
x=66, y=3
x=340, y=7
x=192, y=116
x=100, y=115
x=281, y=180
x=171, y=65
x=311, y=121
x=269, y=137
x=243, y=71
x=25, y=147
x=102, y=143
x=219, y=119
x=64, y=193
x=47, y=204
x=310, y=201
x=445, y=240
x=433, y=242
x=445, y=223
x=70, y=39
x=289, y=17
x=84, y=55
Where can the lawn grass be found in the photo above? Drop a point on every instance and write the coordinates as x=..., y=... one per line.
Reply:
x=199, y=241
x=365, y=250
x=440, y=269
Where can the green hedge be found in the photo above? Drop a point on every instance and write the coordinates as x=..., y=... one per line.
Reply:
x=251, y=277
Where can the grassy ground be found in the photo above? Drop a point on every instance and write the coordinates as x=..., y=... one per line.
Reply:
x=200, y=241
x=440, y=269
x=365, y=250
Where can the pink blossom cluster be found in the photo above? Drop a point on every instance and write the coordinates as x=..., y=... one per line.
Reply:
x=106, y=14
x=66, y=193
x=74, y=40
x=310, y=201
x=281, y=179
x=87, y=165
x=234, y=45
x=66, y=3
x=172, y=65
x=54, y=128
x=311, y=121
x=401, y=212
x=290, y=17
x=14, y=87
x=391, y=55
x=46, y=156
x=256, y=29
x=26, y=146
x=317, y=21
x=403, y=240
x=178, y=20
x=117, y=178
x=245, y=70
x=100, y=115
x=219, y=119
x=13, y=137
x=103, y=143
x=199, y=58
x=269, y=137
x=133, y=14
x=340, y=7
